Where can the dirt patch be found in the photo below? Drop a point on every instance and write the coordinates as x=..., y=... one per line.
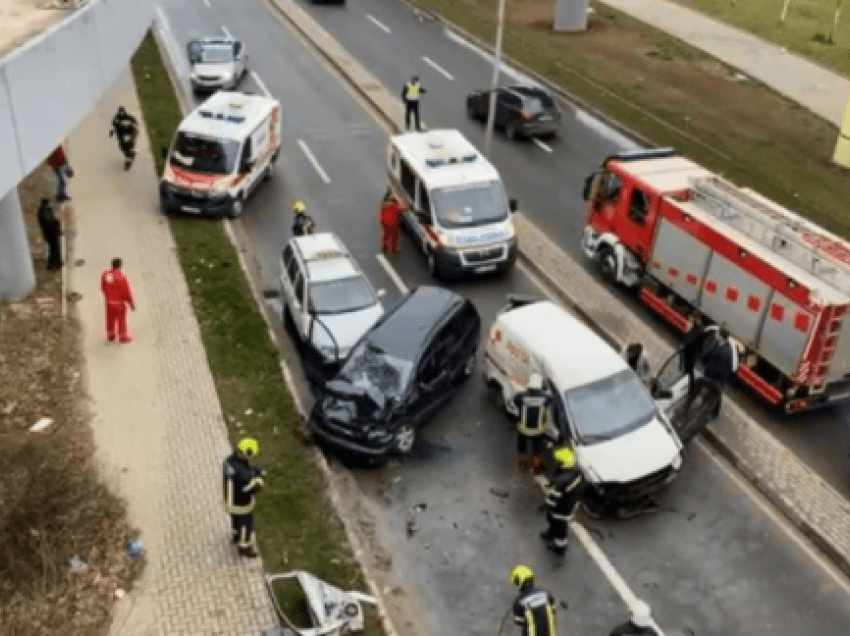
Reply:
x=54, y=505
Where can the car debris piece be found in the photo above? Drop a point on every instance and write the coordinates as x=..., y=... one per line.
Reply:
x=42, y=424
x=333, y=612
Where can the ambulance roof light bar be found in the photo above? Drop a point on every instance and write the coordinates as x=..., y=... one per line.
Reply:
x=436, y=162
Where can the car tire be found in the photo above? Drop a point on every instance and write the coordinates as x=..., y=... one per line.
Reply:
x=511, y=131
x=237, y=209
x=405, y=438
x=606, y=262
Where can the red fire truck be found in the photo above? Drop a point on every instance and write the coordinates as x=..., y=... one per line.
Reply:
x=693, y=244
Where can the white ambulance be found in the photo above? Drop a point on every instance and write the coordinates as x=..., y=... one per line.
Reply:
x=220, y=153
x=458, y=211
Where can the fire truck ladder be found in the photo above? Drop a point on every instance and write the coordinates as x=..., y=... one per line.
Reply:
x=770, y=227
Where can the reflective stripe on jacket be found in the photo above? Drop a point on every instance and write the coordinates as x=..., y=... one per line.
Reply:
x=532, y=405
x=534, y=611
x=565, y=493
x=241, y=482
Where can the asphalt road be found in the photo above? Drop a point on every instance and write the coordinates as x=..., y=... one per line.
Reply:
x=714, y=562
x=547, y=184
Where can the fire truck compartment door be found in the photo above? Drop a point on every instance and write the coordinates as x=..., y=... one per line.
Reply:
x=679, y=261
x=734, y=298
x=840, y=365
x=781, y=341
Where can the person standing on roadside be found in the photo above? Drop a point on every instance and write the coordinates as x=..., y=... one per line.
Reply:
x=410, y=94
x=126, y=128
x=117, y=295
x=242, y=481
x=62, y=169
x=390, y=216
x=51, y=230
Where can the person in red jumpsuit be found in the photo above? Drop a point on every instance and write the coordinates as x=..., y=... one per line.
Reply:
x=390, y=215
x=117, y=294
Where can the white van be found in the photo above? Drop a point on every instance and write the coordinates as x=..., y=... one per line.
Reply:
x=221, y=151
x=458, y=211
x=623, y=441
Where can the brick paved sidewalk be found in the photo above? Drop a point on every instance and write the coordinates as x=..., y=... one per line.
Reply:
x=821, y=90
x=803, y=496
x=158, y=422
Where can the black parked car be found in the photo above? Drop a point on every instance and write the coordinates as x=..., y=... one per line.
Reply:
x=402, y=370
x=524, y=111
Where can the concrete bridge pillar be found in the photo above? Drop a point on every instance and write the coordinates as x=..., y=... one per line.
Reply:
x=17, y=277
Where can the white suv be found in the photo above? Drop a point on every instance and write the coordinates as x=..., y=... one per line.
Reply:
x=328, y=298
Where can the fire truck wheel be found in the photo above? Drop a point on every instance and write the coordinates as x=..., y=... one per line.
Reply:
x=606, y=261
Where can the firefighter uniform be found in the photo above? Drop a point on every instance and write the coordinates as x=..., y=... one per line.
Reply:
x=117, y=295
x=303, y=224
x=410, y=94
x=241, y=482
x=126, y=128
x=533, y=405
x=390, y=215
x=533, y=609
x=564, y=494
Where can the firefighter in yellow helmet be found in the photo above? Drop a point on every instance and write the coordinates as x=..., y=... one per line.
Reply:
x=242, y=481
x=564, y=494
x=303, y=224
x=534, y=608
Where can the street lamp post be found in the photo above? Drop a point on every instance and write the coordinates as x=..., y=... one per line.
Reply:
x=491, y=111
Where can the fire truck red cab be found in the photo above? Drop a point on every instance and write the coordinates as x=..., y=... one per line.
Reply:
x=693, y=244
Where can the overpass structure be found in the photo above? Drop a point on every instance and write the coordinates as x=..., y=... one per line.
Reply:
x=55, y=64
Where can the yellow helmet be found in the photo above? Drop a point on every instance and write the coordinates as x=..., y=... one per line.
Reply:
x=248, y=447
x=564, y=456
x=298, y=206
x=520, y=574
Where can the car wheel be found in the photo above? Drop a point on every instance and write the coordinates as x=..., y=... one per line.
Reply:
x=237, y=209
x=606, y=261
x=405, y=438
x=511, y=131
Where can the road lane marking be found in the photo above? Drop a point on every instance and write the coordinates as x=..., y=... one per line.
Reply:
x=260, y=84
x=391, y=273
x=227, y=33
x=503, y=68
x=207, y=2
x=312, y=160
x=378, y=23
x=540, y=144
x=437, y=68
x=604, y=130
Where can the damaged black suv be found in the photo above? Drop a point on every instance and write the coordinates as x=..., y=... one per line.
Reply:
x=402, y=370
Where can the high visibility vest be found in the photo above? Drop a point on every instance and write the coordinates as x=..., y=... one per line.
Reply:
x=532, y=415
x=413, y=91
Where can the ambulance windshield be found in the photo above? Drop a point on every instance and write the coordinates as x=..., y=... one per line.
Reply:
x=201, y=154
x=471, y=205
x=609, y=408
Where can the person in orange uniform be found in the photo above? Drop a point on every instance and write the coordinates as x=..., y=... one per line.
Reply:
x=390, y=215
x=117, y=294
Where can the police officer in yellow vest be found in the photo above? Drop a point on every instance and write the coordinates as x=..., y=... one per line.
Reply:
x=410, y=94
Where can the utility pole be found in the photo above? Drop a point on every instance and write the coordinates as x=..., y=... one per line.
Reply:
x=497, y=60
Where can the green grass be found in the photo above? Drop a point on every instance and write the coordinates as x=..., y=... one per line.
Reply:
x=296, y=525
x=806, y=28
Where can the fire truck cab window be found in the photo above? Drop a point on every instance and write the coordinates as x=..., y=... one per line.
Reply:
x=638, y=206
x=610, y=187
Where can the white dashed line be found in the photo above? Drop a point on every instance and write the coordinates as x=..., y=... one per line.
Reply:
x=378, y=23
x=437, y=68
x=540, y=144
x=260, y=84
x=207, y=2
x=226, y=32
x=315, y=163
x=391, y=273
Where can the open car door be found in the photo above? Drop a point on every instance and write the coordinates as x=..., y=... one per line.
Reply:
x=195, y=51
x=669, y=388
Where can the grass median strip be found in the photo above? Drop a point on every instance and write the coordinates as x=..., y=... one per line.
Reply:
x=675, y=95
x=297, y=527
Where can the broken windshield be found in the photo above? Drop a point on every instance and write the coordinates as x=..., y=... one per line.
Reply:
x=202, y=154
x=370, y=366
x=609, y=408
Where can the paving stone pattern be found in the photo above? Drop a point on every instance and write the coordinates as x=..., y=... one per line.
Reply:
x=803, y=496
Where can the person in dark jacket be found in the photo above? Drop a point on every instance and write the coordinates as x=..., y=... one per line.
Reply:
x=51, y=230
x=303, y=224
x=534, y=608
x=242, y=481
x=533, y=404
x=62, y=169
x=564, y=495
x=640, y=623
x=126, y=128
x=410, y=94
